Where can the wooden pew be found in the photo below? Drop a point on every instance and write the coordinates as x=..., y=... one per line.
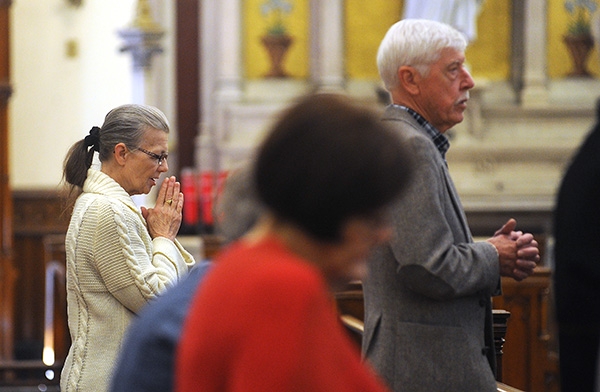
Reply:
x=350, y=304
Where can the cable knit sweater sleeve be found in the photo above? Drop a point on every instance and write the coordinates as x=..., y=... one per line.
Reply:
x=133, y=267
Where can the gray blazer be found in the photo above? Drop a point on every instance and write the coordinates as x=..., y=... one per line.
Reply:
x=428, y=317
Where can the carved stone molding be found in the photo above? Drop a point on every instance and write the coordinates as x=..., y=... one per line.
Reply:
x=143, y=37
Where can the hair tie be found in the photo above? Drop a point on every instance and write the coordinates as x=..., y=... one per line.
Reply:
x=93, y=139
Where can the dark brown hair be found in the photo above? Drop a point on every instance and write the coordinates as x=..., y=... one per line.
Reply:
x=328, y=159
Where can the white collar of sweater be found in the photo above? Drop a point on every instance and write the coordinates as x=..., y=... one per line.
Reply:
x=101, y=183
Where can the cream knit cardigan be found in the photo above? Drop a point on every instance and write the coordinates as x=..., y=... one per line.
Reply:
x=113, y=269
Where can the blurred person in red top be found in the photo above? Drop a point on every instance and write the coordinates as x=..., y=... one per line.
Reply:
x=264, y=318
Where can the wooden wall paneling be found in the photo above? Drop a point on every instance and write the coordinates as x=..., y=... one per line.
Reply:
x=7, y=270
x=37, y=215
x=530, y=353
x=29, y=301
x=55, y=260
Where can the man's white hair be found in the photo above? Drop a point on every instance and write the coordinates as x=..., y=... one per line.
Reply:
x=417, y=43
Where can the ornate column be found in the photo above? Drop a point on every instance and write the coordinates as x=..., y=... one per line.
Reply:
x=7, y=270
x=227, y=46
x=327, y=44
x=534, y=92
x=221, y=54
x=142, y=40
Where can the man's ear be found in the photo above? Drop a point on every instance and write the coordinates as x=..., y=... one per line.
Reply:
x=409, y=79
x=120, y=153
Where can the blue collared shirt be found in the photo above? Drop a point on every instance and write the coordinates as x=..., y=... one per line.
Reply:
x=439, y=139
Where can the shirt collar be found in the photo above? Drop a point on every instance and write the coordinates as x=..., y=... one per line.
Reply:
x=440, y=141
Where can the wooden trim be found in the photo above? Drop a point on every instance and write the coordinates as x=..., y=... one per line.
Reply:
x=8, y=273
x=39, y=212
x=187, y=80
x=505, y=388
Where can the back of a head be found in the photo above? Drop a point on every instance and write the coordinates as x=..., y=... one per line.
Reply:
x=237, y=208
x=415, y=42
x=329, y=159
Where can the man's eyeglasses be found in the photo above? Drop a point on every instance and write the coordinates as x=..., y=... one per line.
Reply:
x=160, y=158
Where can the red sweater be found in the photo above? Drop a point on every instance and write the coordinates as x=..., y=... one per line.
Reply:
x=264, y=320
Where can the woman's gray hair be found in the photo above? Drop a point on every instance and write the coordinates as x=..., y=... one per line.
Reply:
x=124, y=124
x=127, y=124
x=417, y=43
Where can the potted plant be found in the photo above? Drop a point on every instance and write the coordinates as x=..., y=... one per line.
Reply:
x=276, y=39
x=579, y=38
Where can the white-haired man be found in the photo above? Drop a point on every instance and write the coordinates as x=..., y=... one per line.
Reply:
x=428, y=319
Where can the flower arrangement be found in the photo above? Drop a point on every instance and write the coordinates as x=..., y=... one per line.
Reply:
x=581, y=12
x=275, y=10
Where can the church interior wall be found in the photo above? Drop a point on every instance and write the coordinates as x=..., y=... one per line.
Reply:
x=500, y=136
x=67, y=72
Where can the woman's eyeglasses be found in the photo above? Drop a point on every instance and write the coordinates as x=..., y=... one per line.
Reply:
x=160, y=158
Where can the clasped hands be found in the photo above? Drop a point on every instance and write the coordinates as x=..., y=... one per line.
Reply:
x=518, y=252
x=165, y=218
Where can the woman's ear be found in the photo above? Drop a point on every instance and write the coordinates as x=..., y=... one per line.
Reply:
x=120, y=153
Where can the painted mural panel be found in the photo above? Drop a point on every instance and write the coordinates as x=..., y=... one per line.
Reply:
x=366, y=22
x=268, y=21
